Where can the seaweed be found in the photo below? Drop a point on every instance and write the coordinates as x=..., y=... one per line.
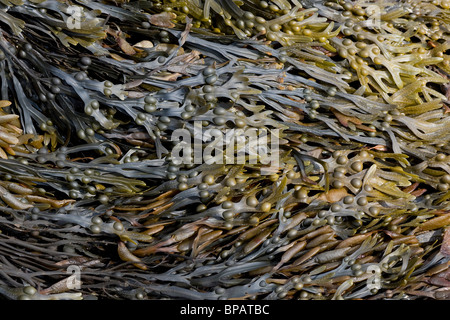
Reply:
x=315, y=149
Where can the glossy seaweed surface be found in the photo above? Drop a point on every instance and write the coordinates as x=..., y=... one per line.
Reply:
x=94, y=205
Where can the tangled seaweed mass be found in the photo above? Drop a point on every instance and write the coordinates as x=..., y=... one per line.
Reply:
x=355, y=92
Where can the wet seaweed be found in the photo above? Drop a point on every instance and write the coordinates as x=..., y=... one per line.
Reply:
x=355, y=93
